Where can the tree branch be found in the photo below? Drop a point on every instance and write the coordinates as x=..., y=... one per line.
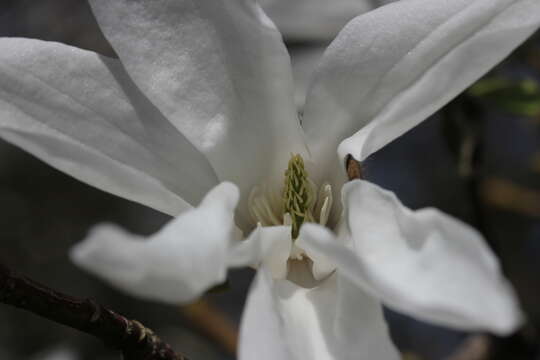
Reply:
x=135, y=341
x=475, y=347
x=213, y=324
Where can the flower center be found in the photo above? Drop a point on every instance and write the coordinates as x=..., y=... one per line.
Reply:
x=298, y=202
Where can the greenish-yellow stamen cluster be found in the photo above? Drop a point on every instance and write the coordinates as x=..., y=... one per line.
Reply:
x=298, y=194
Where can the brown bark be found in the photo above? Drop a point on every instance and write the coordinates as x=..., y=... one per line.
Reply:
x=135, y=341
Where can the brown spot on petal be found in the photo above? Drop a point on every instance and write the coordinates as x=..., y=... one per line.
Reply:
x=354, y=168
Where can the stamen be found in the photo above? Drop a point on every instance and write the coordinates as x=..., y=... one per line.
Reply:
x=324, y=203
x=297, y=253
x=260, y=207
x=300, y=202
x=287, y=221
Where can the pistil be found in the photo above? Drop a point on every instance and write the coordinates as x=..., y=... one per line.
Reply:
x=300, y=201
x=299, y=195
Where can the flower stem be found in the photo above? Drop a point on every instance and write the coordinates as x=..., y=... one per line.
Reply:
x=135, y=341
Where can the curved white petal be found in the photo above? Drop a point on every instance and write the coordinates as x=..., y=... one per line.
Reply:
x=183, y=259
x=423, y=263
x=391, y=68
x=322, y=266
x=81, y=113
x=304, y=60
x=334, y=321
x=261, y=335
x=313, y=20
x=268, y=246
x=220, y=72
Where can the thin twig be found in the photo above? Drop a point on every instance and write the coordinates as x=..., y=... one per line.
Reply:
x=135, y=341
x=507, y=195
x=475, y=347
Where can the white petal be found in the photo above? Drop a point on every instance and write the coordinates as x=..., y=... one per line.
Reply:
x=80, y=112
x=304, y=60
x=219, y=71
x=268, y=246
x=261, y=335
x=313, y=20
x=186, y=257
x=423, y=263
x=334, y=321
x=377, y=3
x=322, y=266
x=391, y=68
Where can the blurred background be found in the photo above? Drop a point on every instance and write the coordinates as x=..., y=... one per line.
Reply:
x=478, y=159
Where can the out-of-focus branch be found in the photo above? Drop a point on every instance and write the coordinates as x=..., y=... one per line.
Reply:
x=475, y=347
x=135, y=341
x=506, y=195
x=213, y=324
x=463, y=126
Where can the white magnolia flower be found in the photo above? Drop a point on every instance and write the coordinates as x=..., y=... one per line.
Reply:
x=314, y=20
x=309, y=25
x=202, y=94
